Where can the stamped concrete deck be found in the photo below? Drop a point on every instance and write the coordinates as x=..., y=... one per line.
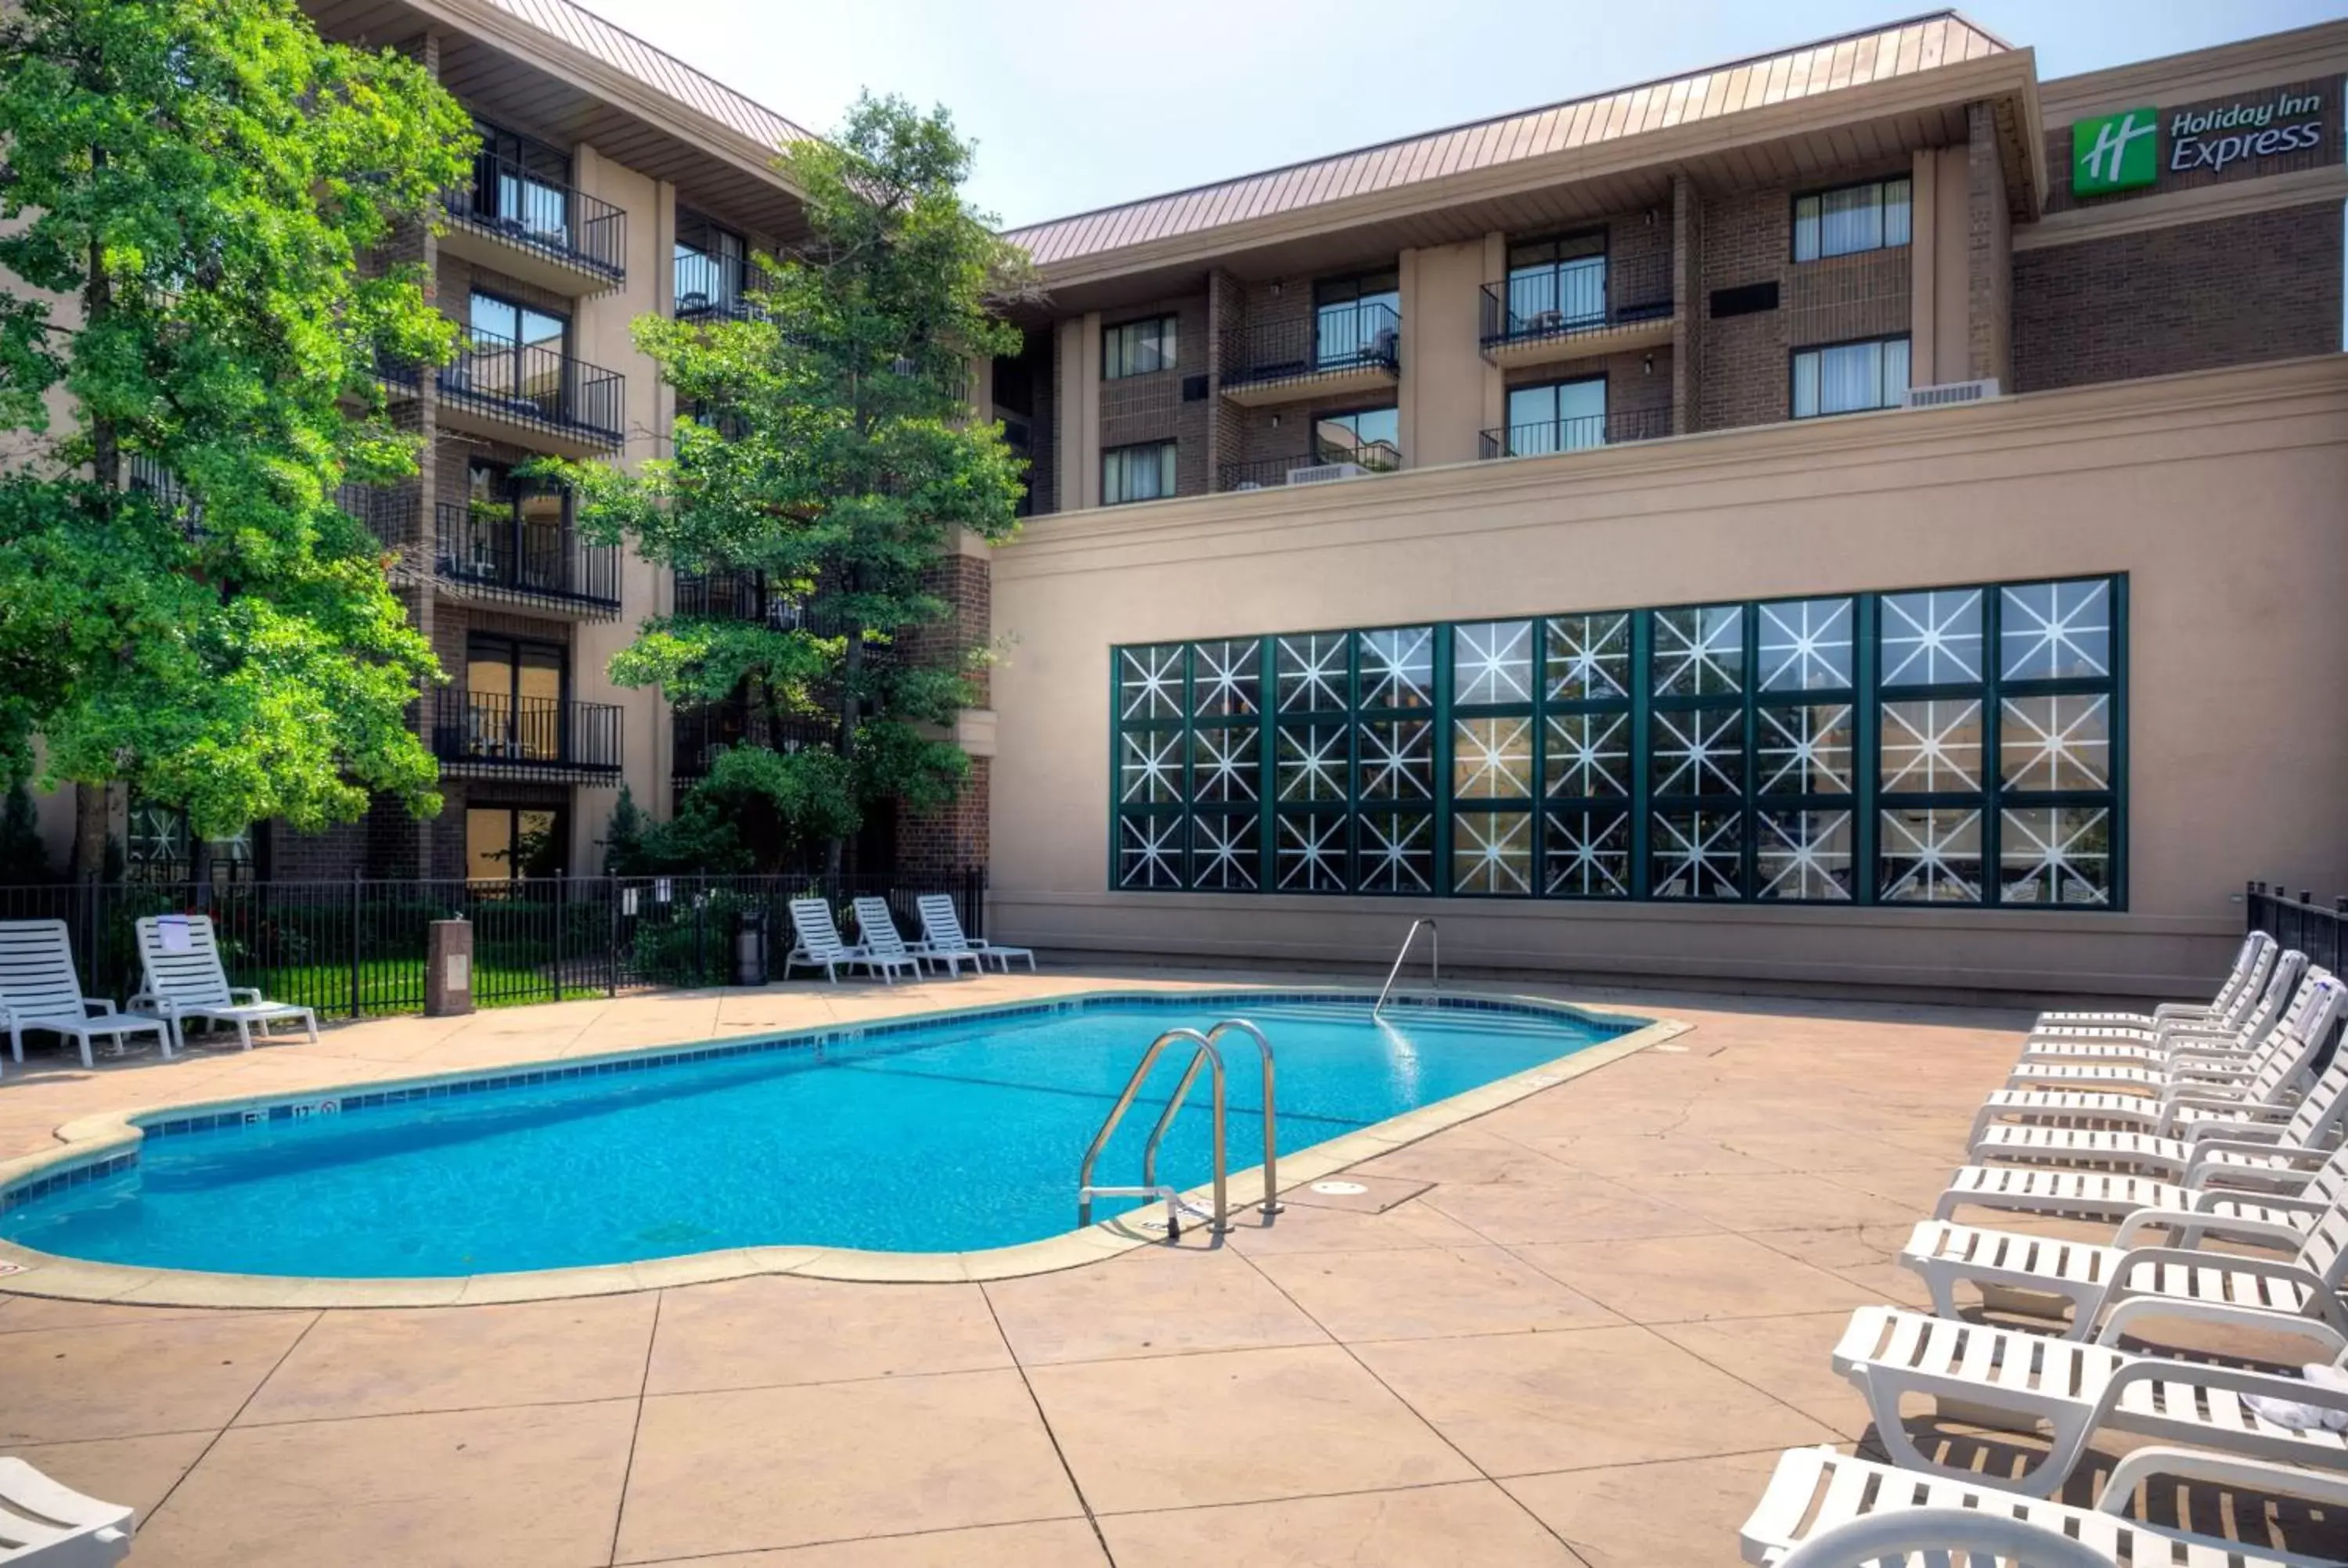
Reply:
x=1576, y=1330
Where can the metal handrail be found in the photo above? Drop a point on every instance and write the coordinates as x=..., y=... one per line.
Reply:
x=1087, y=1192
x=1270, y=1204
x=1435, y=960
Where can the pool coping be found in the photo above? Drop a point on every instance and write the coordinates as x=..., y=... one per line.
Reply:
x=90, y=1141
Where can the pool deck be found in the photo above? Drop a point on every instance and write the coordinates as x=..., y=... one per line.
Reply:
x=1577, y=1330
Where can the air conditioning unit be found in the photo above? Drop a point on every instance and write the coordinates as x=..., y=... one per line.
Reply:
x=1949, y=392
x=1322, y=473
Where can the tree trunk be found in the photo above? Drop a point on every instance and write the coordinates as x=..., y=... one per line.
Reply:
x=93, y=813
x=93, y=823
x=848, y=699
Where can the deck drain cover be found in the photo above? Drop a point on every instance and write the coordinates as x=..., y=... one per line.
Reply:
x=1339, y=1189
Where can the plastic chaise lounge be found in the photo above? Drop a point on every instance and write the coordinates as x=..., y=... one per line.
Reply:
x=2274, y=1088
x=2239, y=1030
x=40, y=988
x=942, y=933
x=820, y=947
x=2010, y=1378
x=879, y=929
x=2109, y=1287
x=185, y=980
x=2278, y=1024
x=2252, y=959
x=46, y=1525
x=1815, y=1494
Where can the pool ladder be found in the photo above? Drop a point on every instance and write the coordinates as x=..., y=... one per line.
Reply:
x=1205, y=1051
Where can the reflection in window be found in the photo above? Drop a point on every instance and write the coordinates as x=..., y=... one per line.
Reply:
x=1560, y=416
x=1370, y=438
x=1850, y=378
x=1872, y=216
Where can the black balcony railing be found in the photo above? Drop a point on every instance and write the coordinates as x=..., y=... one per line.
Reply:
x=143, y=475
x=535, y=385
x=389, y=512
x=508, y=202
x=1588, y=295
x=492, y=732
x=716, y=287
x=1271, y=472
x=1553, y=436
x=748, y=596
x=699, y=735
x=497, y=553
x=1335, y=338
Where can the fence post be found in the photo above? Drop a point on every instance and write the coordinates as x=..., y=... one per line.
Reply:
x=611, y=937
x=561, y=905
x=699, y=901
x=356, y=908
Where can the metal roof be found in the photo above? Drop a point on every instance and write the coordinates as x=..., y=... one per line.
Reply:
x=1830, y=64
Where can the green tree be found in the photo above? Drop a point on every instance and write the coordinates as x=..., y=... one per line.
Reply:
x=189, y=332
x=24, y=858
x=827, y=449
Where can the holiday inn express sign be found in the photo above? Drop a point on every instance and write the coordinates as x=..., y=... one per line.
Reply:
x=2122, y=151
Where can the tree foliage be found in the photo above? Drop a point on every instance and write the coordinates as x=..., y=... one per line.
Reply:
x=190, y=190
x=826, y=449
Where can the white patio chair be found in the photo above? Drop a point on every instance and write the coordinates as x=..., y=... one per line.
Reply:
x=2110, y=1287
x=2239, y=989
x=2273, y=1088
x=1944, y=1538
x=2283, y=1209
x=46, y=1525
x=878, y=927
x=2261, y=1010
x=185, y=980
x=2009, y=1379
x=820, y=947
x=40, y=988
x=942, y=933
x=1828, y=1491
x=2174, y=1053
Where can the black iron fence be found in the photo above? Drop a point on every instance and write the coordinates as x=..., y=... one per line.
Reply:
x=501, y=554
x=2319, y=930
x=1587, y=294
x=1335, y=338
x=713, y=288
x=700, y=734
x=1552, y=436
x=356, y=948
x=537, y=385
x=1308, y=468
x=528, y=209
x=525, y=734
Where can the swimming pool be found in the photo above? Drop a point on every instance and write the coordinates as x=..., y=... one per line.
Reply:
x=945, y=1133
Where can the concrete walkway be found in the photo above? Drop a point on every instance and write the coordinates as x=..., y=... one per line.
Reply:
x=1576, y=1331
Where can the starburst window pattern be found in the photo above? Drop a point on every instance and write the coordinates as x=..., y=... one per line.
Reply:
x=1947, y=747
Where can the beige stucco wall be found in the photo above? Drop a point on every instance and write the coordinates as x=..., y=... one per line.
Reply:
x=1938, y=288
x=2219, y=494
x=1442, y=392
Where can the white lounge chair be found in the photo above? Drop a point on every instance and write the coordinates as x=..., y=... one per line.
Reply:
x=942, y=933
x=1944, y=1538
x=185, y=980
x=2109, y=1287
x=40, y=990
x=2180, y=1058
x=2261, y=1012
x=878, y=927
x=820, y=947
x=2076, y=1389
x=2281, y=1206
x=1816, y=1492
x=2268, y=1095
x=46, y=1525
x=2252, y=959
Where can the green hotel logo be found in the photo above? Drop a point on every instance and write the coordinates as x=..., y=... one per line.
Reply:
x=2115, y=152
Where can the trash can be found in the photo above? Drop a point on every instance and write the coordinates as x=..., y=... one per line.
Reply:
x=750, y=949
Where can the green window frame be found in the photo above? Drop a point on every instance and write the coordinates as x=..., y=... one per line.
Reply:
x=1926, y=747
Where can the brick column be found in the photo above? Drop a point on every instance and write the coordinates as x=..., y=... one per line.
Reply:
x=1687, y=302
x=1989, y=253
x=955, y=836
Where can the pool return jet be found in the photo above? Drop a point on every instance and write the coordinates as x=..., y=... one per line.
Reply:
x=1206, y=1052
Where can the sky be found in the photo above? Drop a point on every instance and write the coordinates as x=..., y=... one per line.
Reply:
x=1077, y=104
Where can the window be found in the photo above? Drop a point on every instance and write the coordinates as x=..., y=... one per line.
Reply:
x=1947, y=747
x=1848, y=377
x=513, y=698
x=1142, y=473
x=1556, y=285
x=507, y=842
x=1369, y=436
x=160, y=847
x=712, y=266
x=1357, y=321
x=522, y=182
x=515, y=532
x=1137, y=348
x=1850, y=218
x=500, y=322
x=1557, y=417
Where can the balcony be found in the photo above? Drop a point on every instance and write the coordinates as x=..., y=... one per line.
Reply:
x=499, y=556
x=389, y=512
x=715, y=288
x=698, y=736
x=748, y=596
x=1588, y=433
x=1592, y=306
x=1340, y=349
x=487, y=734
x=528, y=227
x=496, y=385
x=1305, y=469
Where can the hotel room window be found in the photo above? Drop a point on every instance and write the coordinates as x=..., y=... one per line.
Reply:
x=1137, y=348
x=1138, y=473
x=1357, y=321
x=1370, y=438
x=1850, y=378
x=1850, y=218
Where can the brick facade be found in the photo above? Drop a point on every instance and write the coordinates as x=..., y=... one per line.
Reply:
x=1138, y=408
x=2199, y=296
x=1989, y=254
x=2328, y=148
x=953, y=838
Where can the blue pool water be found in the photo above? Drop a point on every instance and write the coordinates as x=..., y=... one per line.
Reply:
x=948, y=1134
